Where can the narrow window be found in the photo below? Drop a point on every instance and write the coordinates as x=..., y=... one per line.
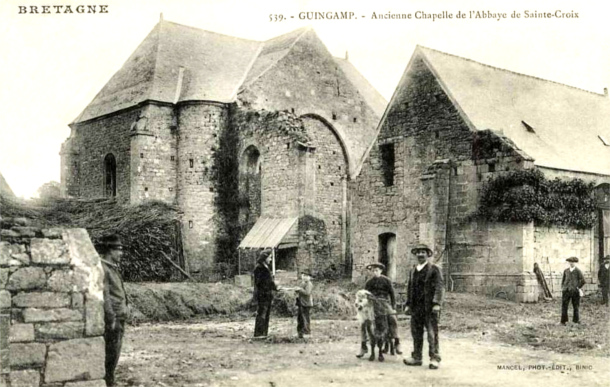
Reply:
x=387, y=163
x=191, y=163
x=334, y=116
x=355, y=119
x=109, y=176
x=492, y=167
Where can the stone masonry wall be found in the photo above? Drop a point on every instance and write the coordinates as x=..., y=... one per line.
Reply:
x=97, y=138
x=199, y=129
x=51, y=308
x=308, y=81
x=153, y=155
x=424, y=127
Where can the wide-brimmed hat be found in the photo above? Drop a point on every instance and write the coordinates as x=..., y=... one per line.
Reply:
x=572, y=259
x=375, y=265
x=112, y=240
x=422, y=246
x=263, y=255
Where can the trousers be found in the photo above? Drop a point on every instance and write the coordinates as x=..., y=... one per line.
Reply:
x=566, y=297
x=114, y=342
x=303, y=320
x=421, y=320
x=261, y=324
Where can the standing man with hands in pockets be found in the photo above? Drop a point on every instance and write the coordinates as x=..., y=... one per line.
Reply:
x=425, y=293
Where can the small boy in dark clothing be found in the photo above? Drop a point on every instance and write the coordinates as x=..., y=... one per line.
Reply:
x=304, y=303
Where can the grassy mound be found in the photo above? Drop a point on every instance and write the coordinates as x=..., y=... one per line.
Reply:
x=182, y=301
x=148, y=230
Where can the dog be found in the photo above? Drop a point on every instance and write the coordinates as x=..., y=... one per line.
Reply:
x=375, y=327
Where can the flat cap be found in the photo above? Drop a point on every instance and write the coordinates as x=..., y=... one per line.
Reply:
x=375, y=265
x=572, y=259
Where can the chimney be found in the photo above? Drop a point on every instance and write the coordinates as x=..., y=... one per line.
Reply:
x=346, y=55
x=606, y=91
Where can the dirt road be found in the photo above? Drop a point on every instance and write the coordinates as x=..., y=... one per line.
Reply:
x=217, y=353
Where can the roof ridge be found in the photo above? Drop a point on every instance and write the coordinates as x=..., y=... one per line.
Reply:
x=208, y=31
x=244, y=86
x=512, y=72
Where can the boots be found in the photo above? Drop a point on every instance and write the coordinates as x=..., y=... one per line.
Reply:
x=397, y=346
x=363, y=349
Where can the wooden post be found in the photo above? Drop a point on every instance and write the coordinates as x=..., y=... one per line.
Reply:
x=273, y=259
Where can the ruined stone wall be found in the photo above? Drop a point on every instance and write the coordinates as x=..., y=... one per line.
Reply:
x=275, y=135
x=424, y=127
x=199, y=128
x=69, y=185
x=308, y=81
x=330, y=185
x=153, y=155
x=97, y=138
x=51, y=309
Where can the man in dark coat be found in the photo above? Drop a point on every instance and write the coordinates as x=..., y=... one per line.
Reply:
x=571, y=288
x=603, y=277
x=425, y=293
x=264, y=288
x=115, y=302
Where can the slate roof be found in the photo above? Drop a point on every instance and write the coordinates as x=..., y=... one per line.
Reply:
x=369, y=93
x=564, y=122
x=5, y=189
x=178, y=63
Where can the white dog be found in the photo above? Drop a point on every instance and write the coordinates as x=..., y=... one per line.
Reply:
x=375, y=327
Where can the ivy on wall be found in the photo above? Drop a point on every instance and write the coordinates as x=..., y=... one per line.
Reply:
x=526, y=195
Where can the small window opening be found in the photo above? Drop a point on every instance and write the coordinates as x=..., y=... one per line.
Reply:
x=145, y=189
x=292, y=110
x=355, y=119
x=191, y=163
x=334, y=116
x=109, y=175
x=437, y=134
x=172, y=158
x=492, y=167
x=287, y=145
x=141, y=155
x=387, y=163
x=190, y=224
x=211, y=189
x=319, y=167
x=332, y=184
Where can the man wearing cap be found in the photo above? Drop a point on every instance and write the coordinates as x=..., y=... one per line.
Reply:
x=571, y=286
x=264, y=286
x=381, y=288
x=115, y=302
x=425, y=293
x=603, y=277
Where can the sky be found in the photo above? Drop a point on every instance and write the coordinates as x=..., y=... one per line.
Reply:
x=53, y=65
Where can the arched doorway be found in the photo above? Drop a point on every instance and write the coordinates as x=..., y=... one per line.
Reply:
x=386, y=253
x=109, y=176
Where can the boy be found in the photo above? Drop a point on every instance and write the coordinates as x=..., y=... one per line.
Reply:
x=304, y=303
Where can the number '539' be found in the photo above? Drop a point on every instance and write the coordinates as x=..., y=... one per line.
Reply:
x=276, y=18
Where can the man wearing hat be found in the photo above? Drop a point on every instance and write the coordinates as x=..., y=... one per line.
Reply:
x=603, y=277
x=116, y=312
x=264, y=286
x=381, y=288
x=425, y=293
x=571, y=286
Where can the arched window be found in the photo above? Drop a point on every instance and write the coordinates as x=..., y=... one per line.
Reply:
x=250, y=184
x=109, y=176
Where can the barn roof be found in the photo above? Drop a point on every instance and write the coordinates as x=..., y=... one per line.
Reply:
x=560, y=126
x=178, y=63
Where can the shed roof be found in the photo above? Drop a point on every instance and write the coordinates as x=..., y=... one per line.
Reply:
x=268, y=233
x=558, y=125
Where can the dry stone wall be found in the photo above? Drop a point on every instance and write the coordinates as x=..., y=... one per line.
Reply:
x=51, y=308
